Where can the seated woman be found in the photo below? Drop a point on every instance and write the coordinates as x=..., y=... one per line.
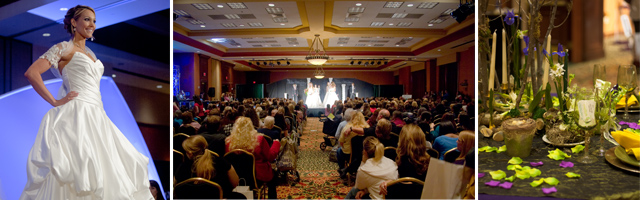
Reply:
x=397, y=118
x=448, y=139
x=344, y=152
x=466, y=142
x=268, y=129
x=375, y=170
x=412, y=159
x=383, y=132
x=200, y=163
x=244, y=136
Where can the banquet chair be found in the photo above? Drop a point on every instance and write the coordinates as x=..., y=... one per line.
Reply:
x=433, y=153
x=213, y=153
x=404, y=188
x=269, y=140
x=178, y=159
x=197, y=188
x=177, y=141
x=390, y=152
x=245, y=165
x=451, y=155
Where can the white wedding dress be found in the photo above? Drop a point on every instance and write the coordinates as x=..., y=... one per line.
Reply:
x=79, y=153
x=331, y=97
x=313, y=98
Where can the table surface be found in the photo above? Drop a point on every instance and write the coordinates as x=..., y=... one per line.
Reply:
x=599, y=179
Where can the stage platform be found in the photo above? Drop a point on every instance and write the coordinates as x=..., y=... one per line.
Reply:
x=315, y=112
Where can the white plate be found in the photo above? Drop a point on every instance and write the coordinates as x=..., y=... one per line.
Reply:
x=544, y=138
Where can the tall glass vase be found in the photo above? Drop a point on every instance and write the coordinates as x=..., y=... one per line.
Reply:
x=586, y=156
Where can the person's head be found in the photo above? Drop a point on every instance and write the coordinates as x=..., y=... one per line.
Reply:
x=80, y=21
x=466, y=141
x=243, y=135
x=447, y=127
x=348, y=115
x=212, y=123
x=383, y=129
x=448, y=117
x=268, y=122
x=465, y=121
x=154, y=187
x=413, y=144
x=384, y=113
x=425, y=116
x=357, y=120
x=274, y=112
x=195, y=148
x=397, y=115
x=187, y=117
x=177, y=114
x=373, y=148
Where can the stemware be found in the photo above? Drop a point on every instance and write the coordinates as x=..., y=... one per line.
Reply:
x=627, y=76
x=586, y=106
x=600, y=73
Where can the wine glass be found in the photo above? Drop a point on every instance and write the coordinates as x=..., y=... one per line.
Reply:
x=627, y=76
x=586, y=106
x=600, y=72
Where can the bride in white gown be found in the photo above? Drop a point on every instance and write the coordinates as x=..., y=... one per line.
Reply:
x=79, y=153
x=313, y=96
x=330, y=97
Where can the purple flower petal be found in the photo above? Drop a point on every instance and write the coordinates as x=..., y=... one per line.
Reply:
x=631, y=125
x=506, y=185
x=566, y=164
x=549, y=190
x=492, y=183
x=480, y=175
x=535, y=164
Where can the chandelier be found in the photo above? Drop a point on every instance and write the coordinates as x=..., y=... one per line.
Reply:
x=319, y=73
x=319, y=55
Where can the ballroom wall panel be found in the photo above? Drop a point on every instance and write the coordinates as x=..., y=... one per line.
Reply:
x=466, y=65
x=16, y=59
x=373, y=77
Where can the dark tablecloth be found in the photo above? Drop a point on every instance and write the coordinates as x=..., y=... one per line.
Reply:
x=599, y=179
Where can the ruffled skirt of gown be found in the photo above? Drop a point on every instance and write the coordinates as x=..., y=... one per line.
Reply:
x=80, y=154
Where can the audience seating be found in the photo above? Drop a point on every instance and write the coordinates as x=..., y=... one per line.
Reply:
x=404, y=188
x=178, y=159
x=197, y=188
x=245, y=166
x=433, y=153
x=269, y=140
x=451, y=155
x=177, y=141
x=390, y=152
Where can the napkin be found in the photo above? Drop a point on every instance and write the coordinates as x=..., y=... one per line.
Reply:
x=632, y=101
x=629, y=140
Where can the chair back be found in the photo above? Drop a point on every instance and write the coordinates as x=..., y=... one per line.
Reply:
x=390, y=152
x=178, y=159
x=197, y=188
x=177, y=141
x=269, y=140
x=433, y=153
x=451, y=155
x=404, y=188
x=245, y=165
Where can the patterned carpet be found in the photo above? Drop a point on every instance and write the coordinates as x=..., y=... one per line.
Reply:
x=319, y=178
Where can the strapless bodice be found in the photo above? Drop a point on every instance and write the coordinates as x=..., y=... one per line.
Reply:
x=83, y=75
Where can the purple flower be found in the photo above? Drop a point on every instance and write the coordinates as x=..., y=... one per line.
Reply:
x=560, y=51
x=510, y=18
x=506, y=185
x=631, y=125
x=526, y=42
x=480, y=175
x=492, y=183
x=544, y=52
x=535, y=164
x=549, y=190
x=565, y=164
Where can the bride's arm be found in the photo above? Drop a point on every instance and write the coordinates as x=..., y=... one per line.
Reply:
x=33, y=75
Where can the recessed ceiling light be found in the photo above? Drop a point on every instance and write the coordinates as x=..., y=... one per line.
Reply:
x=390, y=24
x=180, y=12
x=410, y=5
x=237, y=5
x=202, y=6
x=241, y=25
x=282, y=24
x=358, y=4
x=349, y=24
x=393, y=4
x=46, y=34
x=113, y=75
x=377, y=23
x=295, y=45
x=405, y=24
x=228, y=25
x=430, y=25
x=202, y=26
x=64, y=9
x=342, y=45
x=255, y=24
x=439, y=49
x=369, y=45
x=271, y=5
x=220, y=6
x=238, y=46
x=427, y=5
x=397, y=45
x=399, y=15
x=159, y=86
x=232, y=16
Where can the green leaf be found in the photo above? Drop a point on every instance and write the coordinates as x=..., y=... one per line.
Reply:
x=547, y=97
x=510, y=178
x=538, y=113
x=492, y=149
x=514, y=167
x=523, y=174
x=498, y=175
x=551, y=181
x=484, y=148
x=536, y=101
x=534, y=172
x=515, y=161
x=537, y=183
x=558, y=155
x=577, y=149
x=503, y=148
x=572, y=175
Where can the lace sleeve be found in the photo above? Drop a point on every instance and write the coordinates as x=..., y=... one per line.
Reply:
x=54, y=53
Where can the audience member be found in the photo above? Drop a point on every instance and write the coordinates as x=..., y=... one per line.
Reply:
x=268, y=129
x=448, y=140
x=383, y=133
x=375, y=170
x=357, y=121
x=465, y=144
x=155, y=190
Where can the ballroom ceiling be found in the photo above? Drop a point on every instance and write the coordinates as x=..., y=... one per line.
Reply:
x=244, y=32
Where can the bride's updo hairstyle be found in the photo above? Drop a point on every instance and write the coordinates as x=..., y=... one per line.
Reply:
x=74, y=13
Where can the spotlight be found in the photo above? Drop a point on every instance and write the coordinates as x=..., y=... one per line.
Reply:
x=463, y=11
x=249, y=62
x=379, y=62
x=359, y=62
x=351, y=63
x=371, y=63
x=265, y=62
x=386, y=62
x=278, y=62
x=288, y=63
